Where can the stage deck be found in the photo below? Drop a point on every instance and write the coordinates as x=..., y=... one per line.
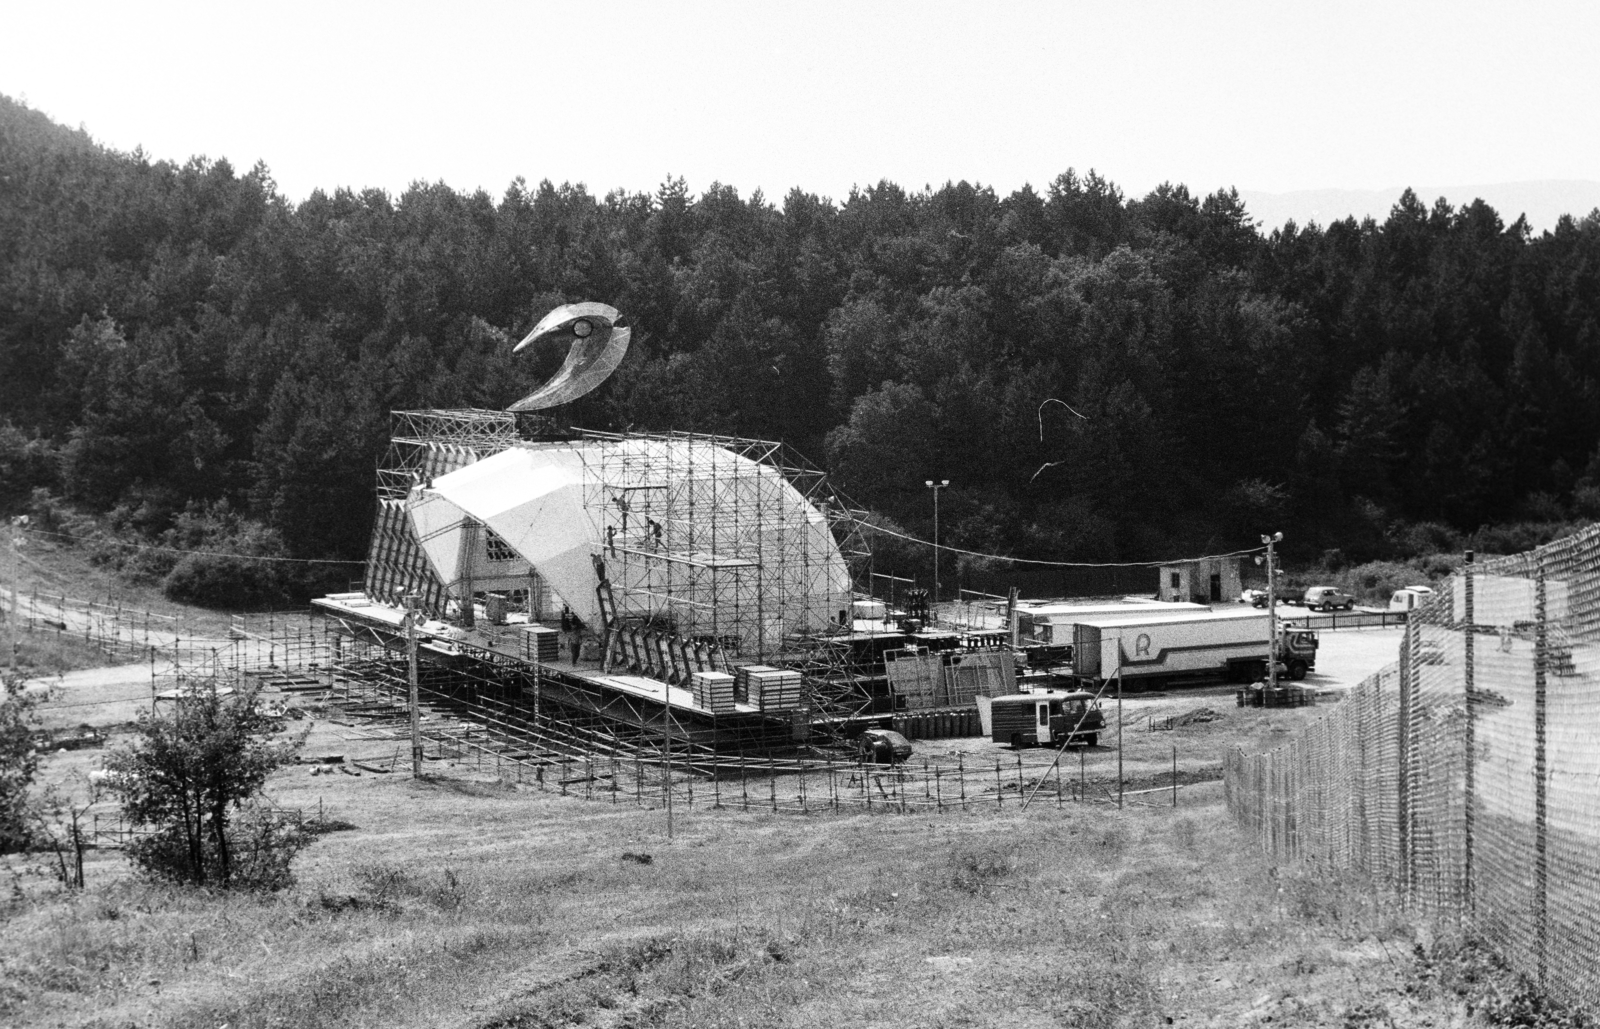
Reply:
x=387, y=623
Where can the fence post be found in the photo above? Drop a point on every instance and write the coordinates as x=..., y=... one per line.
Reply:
x=938, y=791
x=772, y=781
x=999, y=787
x=1541, y=810
x=1408, y=685
x=961, y=776
x=1470, y=732
x=744, y=787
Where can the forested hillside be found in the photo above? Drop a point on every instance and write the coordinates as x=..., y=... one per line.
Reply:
x=186, y=349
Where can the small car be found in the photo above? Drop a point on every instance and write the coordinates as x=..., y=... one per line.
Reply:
x=882, y=747
x=1329, y=598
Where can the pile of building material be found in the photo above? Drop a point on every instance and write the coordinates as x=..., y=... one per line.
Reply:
x=767, y=688
x=541, y=643
x=951, y=679
x=914, y=675
x=713, y=691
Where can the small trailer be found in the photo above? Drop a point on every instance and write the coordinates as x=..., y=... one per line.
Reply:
x=1047, y=719
x=1228, y=643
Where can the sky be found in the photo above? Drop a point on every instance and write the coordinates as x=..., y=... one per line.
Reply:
x=1266, y=97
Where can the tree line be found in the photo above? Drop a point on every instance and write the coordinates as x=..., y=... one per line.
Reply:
x=186, y=351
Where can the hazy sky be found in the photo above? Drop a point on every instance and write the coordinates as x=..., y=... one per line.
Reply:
x=1265, y=96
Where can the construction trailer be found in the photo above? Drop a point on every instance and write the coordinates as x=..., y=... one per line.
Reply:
x=1043, y=718
x=1168, y=646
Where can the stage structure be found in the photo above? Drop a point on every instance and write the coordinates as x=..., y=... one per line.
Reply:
x=662, y=589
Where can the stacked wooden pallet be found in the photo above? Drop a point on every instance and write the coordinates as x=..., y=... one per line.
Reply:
x=770, y=689
x=713, y=691
x=541, y=643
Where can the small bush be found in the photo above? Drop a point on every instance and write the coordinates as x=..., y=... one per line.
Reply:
x=977, y=870
x=262, y=845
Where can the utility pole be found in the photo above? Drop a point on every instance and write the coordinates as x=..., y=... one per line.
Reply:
x=13, y=530
x=1272, y=609
x=411, y=660
x=1120, y=784
x=936, y=487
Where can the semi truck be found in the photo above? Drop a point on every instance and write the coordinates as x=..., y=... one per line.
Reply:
x=1228, y=643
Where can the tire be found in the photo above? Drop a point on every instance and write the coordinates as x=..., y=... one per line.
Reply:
x=1092, y=740
x=1349, y=605
x=1297, y=670
x=1016, y=741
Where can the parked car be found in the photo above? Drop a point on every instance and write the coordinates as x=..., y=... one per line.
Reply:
x=882, y=747
x=1329, y=598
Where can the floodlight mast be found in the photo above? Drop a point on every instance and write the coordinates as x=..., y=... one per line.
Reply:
x=936, y=487
x=1272, y=611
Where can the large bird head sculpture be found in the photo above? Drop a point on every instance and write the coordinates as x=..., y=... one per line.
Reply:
x=596, y=347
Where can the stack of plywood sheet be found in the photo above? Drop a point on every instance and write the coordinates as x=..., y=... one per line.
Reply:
x=915, y=676
x=771, y=689
x=541, y=643
x=741, y=680
x=967, y=675
x=713, y=691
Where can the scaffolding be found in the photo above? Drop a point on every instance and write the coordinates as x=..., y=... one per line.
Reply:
x=717, y=538
x=424, y=445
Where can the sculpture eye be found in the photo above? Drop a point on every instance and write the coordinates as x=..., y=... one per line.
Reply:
x=582, y=327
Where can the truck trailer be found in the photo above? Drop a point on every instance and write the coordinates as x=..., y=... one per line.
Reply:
x=1228, y=643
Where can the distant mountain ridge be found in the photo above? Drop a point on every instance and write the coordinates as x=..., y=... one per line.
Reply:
x=1543, y=202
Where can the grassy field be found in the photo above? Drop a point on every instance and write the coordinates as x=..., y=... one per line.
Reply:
x=469, y=900
x=466, y=901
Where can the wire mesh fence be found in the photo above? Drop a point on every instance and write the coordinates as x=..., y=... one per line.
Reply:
x=1467, y=775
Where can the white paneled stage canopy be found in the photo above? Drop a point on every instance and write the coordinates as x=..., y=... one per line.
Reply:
x=692, y=535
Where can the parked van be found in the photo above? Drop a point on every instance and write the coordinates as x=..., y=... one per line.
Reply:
x=1409, y=598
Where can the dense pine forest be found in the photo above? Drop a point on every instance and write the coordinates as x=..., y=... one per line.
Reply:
x=198, y=362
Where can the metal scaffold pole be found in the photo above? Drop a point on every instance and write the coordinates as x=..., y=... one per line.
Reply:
x=411, y=677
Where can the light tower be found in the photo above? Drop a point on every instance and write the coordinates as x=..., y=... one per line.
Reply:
x=1272, y=610
x=936, y=487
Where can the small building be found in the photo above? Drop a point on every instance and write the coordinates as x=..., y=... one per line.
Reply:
x=1211, y=580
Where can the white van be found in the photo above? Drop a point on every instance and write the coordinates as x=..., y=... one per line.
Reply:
x=1407, y=598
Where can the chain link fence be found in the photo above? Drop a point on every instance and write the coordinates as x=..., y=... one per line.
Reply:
x=1466, y=776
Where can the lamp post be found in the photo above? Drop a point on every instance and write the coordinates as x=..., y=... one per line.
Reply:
x=1272, y=611
x=936, y=487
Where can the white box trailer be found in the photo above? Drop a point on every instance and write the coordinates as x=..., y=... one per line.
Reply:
x=1230, y=643
x=1052, y=623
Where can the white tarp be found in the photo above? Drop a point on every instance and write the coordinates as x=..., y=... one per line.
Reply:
x=532, y=498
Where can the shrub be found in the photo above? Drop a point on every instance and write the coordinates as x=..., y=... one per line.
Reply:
x=222, y=580
x=191, y=776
